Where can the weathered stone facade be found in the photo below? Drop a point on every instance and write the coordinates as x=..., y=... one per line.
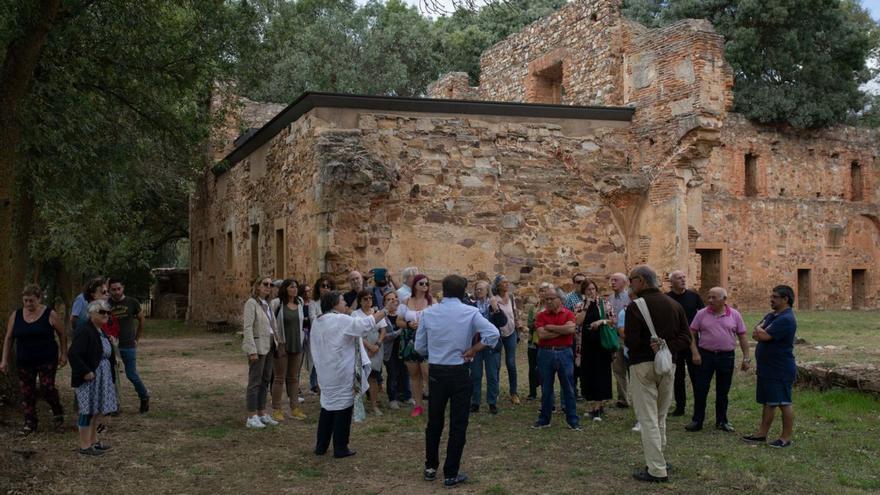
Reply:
x=681, y=184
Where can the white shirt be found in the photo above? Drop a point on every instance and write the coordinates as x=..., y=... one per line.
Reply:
x=403, y=293
x=335, y=341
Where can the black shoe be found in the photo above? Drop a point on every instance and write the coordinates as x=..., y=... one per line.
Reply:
x=532, y=397
x=493, y=409
x=677, y=412
x=347, y=453
x=780, y=444
x=475, y=408
x=668, y=468
x=459, y=478
x=430, y=474
x=319, y=452
x=621, y=404
x=753, y=438
x=574, y=427
x=725, y=427
x=644, y=475
x=100, y=446
x=539, y=425
x=91, y=451
x=145, y=405
x=694, y=426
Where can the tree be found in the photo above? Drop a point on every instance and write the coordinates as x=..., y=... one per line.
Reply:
x=798, y=62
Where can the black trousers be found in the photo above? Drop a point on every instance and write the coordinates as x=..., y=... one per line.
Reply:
x=534, y=381
x=335, y=424
x=721, y=365
x=447, y=384
x=682, y=364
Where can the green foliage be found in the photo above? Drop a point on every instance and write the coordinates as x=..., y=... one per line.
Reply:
x=385, y=48
x=114, y=125
x=799, y=62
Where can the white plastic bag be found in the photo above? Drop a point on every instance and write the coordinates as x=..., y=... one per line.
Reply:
x=663, y=357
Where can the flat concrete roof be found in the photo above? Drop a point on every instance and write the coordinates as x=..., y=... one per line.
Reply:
x=310, y=100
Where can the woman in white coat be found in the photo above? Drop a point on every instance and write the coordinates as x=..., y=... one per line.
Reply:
x=259, y=342
x=337, y=350
x=289, y=315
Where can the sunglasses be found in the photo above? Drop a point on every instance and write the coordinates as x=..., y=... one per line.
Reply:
x=266, y=284
x=103, y=312
x=423, y=284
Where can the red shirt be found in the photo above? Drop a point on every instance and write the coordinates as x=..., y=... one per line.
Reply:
x=562, y=317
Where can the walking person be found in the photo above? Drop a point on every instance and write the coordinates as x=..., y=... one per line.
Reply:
x=397, y=382
x=776, y=367
x=37, y=355
x=290, y=316
x=555, y=327
x=595, y=363
x=691, y=302
x=260, y=343
x=408, y=316
x=652, y=391
x=719, y=328
x=127, y=312
x=92, y=362
x=446, y=336
x=338, y=354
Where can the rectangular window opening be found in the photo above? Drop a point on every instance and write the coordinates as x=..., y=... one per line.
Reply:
x=751, y=175
x=229, y=260
x=546, y=85
x=710, y=270
x=200, y=256
x=804, y=295
x=859, y=286
x=279, y=253
x=255, y=251
x=856, y=184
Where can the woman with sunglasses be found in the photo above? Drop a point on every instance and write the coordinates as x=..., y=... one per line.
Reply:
x=323, y=286
x=373, y=344
x=595, y=361
x=33, y=328
x=408, y=315
x=92, y=366
x=260, y=342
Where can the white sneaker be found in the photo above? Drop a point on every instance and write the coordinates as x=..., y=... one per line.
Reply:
x=394, y=404
x=254, y=422
x=637, y=427
x=376, y=411
x=597, y=418
x=267, y=420
x=412, y=402
x=300, y=398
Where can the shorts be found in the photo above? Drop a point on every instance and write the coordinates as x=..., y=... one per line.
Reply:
x=377, y=374
x=772, y=392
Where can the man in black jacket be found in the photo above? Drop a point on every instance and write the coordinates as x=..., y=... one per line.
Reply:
x=652, y=392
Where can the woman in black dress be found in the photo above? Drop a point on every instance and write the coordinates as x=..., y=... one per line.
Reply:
x=595, y=360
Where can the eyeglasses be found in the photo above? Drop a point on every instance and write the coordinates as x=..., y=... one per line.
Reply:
x=579, y=281
x=266, y=284
x=103, y=312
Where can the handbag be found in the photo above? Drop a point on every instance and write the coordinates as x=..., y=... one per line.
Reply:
x=663, y=357
x=607, y=336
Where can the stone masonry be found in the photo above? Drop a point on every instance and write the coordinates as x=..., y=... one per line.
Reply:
x=683, y=184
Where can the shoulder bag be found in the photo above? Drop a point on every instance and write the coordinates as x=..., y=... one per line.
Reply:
x=663, y=357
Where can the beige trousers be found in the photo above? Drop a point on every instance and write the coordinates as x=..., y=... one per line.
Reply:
x=618, y=367
x=286, y=369
x=651, y=397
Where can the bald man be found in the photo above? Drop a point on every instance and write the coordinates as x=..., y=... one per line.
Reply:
x=719, y=327
x=691, y=302
x=619, y=300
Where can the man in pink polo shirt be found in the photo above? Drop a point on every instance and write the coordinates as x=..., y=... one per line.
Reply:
x=717, y=328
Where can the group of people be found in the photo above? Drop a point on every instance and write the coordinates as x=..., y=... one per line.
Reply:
x=105, y=325
x=454, y=338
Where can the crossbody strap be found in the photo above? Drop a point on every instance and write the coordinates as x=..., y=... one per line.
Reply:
x=643, y=308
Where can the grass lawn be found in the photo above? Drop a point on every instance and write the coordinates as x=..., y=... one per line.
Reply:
x=194, y=440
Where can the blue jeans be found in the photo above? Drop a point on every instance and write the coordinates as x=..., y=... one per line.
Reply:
x=509, y=345
x=492, y=361
x=129, y=359
x=552, y=362
x=398, y=378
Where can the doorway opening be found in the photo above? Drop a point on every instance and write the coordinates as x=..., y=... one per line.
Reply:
x=804, y=295
x=858, y=289
x=710, y=270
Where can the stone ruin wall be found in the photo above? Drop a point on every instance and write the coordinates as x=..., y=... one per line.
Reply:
x=449, y=194
x=802, y=214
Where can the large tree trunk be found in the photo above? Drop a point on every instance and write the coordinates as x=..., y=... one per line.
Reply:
x=16, y=204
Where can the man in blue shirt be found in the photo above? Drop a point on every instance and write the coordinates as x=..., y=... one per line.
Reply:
x=446, y=335
x=776, y=367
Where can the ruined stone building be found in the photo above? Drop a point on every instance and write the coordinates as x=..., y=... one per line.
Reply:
x=592, y=144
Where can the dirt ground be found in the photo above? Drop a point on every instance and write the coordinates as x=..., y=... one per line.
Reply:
x=194, y=441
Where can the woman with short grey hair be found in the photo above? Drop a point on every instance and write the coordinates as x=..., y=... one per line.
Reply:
x=92, y=363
